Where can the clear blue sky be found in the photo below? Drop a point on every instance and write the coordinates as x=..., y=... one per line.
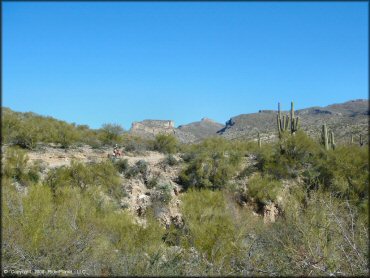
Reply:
x=94, y=62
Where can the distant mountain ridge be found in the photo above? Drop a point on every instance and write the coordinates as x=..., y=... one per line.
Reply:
x=343, y=119
x=185, y=133
x=202, y=129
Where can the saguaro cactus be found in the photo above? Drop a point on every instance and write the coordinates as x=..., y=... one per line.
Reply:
x=327, y=138
x=293, y=120
x=324, y=137
x=259, y=140
x=285, y=122
x=282, y=121
x=331, y=140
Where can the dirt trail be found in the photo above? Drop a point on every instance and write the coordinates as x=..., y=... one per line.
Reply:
x=56, y=157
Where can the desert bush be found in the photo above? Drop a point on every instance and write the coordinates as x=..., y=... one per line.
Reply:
x=291, y=156
x=121, y=165
x=163, y=193
x=170, y=160
x=28, y=129
x=165, y=143
x=103, y=175
x=345, y=172
x=136, y=144
x=152, y=182
x=66, y=135
x=16, y=167
x=45, y=233
x=27, y=136
x=140, y=167
x=326, y=236
x=10, y=123
x=15, y=163
x=263, y=189
x=211, y=164
x=209, y=224
x=68, y=230
x=111, y=134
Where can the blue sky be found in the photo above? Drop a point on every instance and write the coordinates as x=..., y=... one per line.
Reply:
x=94, y=62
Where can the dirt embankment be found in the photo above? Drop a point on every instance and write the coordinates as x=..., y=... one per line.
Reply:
x=139, y=197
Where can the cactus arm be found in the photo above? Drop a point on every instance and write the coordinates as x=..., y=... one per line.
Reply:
x=296, y=123
x=332, y=141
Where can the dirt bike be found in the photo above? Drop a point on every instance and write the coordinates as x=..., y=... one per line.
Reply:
x=116, y=154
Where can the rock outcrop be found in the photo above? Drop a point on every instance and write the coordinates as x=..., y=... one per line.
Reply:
x=270, y=212
x=153, y=127
x=185, y=133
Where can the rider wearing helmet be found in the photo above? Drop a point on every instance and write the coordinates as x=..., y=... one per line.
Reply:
x=116, y=151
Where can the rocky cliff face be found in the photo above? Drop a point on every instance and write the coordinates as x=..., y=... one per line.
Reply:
x=186, y=133
x=153, y=127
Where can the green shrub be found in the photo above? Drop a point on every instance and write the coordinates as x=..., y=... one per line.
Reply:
x=170, y=160
x=165, y=143
x=209, y=225
x=325, y=236
x=136, y=144
x=121, y=165
x=152, y=182
x=163, y=193
x=103, y=175
x=345, y=172
x=291, y=156
x=28, y=129
x=211, y=164
x=263, y=189
x=140, y=167
x=111, y=134
x=68, y=231
x=66, y=135
x=16, y=167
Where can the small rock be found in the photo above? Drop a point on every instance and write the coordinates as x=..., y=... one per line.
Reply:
x=270, y=213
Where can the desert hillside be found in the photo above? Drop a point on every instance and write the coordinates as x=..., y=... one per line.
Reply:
x=145, y=202
x=345, y=119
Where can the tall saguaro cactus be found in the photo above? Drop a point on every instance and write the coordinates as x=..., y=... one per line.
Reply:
x=324, y=137
x=285, y=122
x=327, y=138
x=280, y=121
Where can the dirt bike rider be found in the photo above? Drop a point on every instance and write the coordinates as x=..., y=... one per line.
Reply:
x=116, y=151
